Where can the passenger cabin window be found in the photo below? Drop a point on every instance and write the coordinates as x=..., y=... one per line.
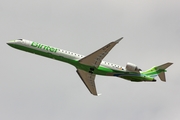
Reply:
x=20, y=39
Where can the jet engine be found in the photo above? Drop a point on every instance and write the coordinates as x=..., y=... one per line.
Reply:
x=132, y=67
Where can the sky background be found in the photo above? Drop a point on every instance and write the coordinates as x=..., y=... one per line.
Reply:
x=37, y=88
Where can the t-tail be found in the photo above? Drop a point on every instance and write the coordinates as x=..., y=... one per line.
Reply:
x=158, y=71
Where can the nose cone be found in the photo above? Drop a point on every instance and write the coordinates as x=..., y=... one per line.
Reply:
x=10, y=43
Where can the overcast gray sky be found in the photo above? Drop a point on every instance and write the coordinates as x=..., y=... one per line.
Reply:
x=37, y=88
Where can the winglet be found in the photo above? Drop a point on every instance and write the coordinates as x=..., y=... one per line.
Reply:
x=99, y=94
x=117, y=41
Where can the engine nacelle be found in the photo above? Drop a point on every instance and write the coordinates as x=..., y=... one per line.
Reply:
x=132, y=67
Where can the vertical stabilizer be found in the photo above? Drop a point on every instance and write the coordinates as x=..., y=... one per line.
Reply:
x=162, y=76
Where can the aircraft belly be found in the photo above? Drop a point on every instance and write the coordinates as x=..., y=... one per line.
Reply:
x=137, y=78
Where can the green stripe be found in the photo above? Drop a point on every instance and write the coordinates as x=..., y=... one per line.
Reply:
x=100, y=70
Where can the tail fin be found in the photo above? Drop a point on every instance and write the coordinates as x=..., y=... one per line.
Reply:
x=158, y=70
x=161, y=69
x=162, y=76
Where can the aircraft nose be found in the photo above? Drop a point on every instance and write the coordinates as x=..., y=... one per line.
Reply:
x=10, y=43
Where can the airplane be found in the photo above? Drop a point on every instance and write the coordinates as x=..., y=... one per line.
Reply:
x=91, y=65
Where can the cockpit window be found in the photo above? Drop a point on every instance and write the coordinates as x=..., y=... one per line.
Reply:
x=20, y=39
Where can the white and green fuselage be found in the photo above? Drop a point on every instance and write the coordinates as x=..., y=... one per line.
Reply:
x=91, y=65
x=105, y=68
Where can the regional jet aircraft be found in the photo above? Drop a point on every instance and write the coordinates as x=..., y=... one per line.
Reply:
x=91, y=65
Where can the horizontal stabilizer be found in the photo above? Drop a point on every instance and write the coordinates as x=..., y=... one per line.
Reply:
x=164, y=66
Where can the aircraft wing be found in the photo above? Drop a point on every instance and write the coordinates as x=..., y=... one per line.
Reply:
x=95, y=58
x=88, y=80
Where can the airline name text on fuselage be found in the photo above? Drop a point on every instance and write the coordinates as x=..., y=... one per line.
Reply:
x=45, y=47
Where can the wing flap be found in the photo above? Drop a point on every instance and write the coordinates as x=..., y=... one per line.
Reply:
x=88, y=80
